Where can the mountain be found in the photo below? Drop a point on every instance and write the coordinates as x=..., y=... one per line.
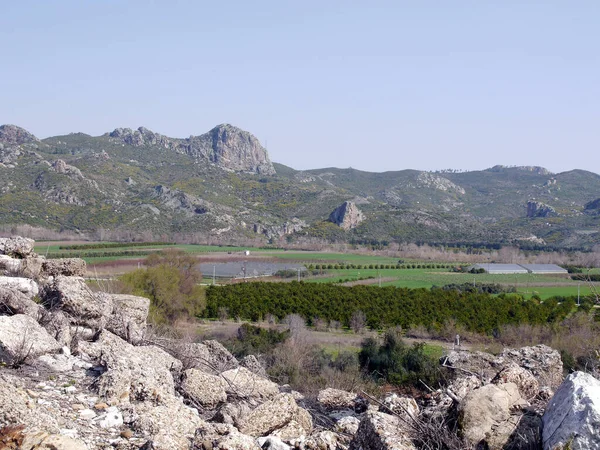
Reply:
x=222, y=186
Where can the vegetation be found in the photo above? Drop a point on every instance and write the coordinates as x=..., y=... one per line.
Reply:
x=170, y=281
x=398, y=363
x=383, y=307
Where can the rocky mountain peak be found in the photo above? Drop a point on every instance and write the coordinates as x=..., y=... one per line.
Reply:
x=236, y=149
x=14, y=135
x=347, y=216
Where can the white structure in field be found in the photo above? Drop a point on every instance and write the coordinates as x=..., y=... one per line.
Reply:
x=551, y=269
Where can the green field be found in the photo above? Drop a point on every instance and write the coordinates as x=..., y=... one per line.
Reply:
x=527, y=284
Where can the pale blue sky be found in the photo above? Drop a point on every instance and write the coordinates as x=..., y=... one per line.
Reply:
x=375, y=85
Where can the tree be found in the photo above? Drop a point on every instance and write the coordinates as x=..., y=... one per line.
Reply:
x=358, y=321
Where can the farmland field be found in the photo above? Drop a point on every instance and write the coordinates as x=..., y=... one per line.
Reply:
x=113, y=259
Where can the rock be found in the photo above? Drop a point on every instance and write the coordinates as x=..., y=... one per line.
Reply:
x=21, y=338
x=528, y=385
x=539, y=209
x=348, y=425
x=170, y=425
x=13, y=302
x=16, y=247
x=132, y=373
x=10, y=266
x=253, y=365
x=275, y=415
x=231, y=413
x=24, y=285
x=31, y=267
x=69, y=267
x=380, y=431
x=486, y=414
x=17, y=407
x=209, y=356
x=322, y=440
x=44, y=441
x=272, y=443
x=403, y=406
x=241, y=383
x=14, y=135
x=335, y=399
x=75, y=298
x=204, y=389
x=128, y=318
x=347, y=216
x=572, y=418
x=56, y=323
x=222, y=437
x=231, y=148
x=111, y=418
x=542, y=361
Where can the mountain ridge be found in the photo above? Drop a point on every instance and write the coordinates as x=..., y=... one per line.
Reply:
x=222, y=185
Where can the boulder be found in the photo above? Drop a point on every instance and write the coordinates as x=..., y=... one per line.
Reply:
x=69, y=267
x=251, y=363
x=323, y=440
x=24, y=285
x=232, y=413
x=572, y=418
x=132, y=373
x=241, y=383
x=348, y=425
x=222, y=437
x=74, y=297
x=203, y=388
x=209, y=356
x=276, y=415
x=10, y=266
x=31, y=267
x=128, y=318
x=489, y=415
x=272, y=443
x=402, y=406
x=13, y=302
x=21, y=337
x=380, y=431
x=542, y=361
x=528, y=385
x=170, y=424
x=336, y=399
x=16, y=247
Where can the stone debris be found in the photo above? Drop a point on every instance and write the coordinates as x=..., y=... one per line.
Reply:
x=76, y=373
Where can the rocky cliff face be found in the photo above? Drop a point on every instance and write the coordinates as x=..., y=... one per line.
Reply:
x=347, y=216
x=13, y=135
x=539, y=209
x=226, y=146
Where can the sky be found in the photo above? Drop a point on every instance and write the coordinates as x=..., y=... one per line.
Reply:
x=373, y=85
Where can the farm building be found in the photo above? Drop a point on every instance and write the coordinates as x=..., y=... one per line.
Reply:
x=544, y=269
x=499, y=268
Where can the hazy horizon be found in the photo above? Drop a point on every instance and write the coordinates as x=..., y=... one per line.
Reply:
x=388, y=86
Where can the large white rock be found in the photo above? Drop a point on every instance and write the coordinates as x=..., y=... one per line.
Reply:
x=128, y=318
x=24, y=285
x=16, y=246
x=21, y=337
x=74, y=297
x=572, y=418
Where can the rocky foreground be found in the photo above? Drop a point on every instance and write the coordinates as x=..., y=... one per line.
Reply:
x=78, y=370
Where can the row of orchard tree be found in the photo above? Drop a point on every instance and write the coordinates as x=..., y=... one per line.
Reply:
x=383, y=307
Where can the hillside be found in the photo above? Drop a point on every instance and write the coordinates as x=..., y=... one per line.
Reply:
x=221, y=185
